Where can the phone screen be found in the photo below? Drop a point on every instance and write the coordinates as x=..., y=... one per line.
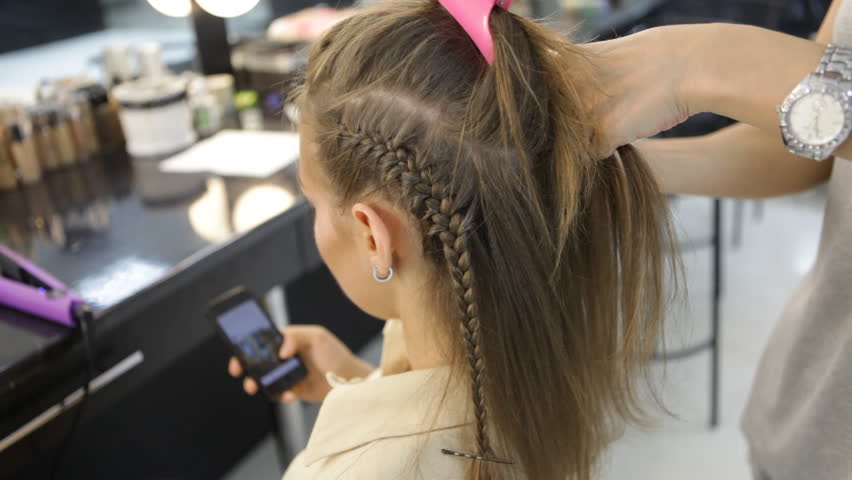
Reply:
x=254, y=335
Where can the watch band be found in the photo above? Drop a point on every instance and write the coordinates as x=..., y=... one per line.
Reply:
x=837, y=60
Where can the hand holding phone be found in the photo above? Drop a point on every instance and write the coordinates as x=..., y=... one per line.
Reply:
x=322, y=352
x=256, y=342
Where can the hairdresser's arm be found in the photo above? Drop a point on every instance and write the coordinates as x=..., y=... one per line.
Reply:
x=657, y=78
x=737, y=161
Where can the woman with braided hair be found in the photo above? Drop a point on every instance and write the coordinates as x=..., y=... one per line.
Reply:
x=455, y=190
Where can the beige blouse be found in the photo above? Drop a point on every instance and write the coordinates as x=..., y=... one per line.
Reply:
x=391, y=425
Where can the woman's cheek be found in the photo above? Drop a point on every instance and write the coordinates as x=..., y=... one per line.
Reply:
x=340, y=256
x=321, y=235
x=333, y=247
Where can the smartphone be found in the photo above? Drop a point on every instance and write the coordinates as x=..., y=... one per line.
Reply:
x=246, y=327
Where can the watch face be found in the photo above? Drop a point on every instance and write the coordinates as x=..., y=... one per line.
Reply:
x=816, y=118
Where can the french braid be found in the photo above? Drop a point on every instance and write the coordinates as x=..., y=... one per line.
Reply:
x=429, y=197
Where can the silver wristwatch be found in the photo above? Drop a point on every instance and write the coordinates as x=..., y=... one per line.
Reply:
x=817, y=115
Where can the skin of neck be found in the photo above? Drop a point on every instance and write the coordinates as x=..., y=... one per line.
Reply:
x=422, y=324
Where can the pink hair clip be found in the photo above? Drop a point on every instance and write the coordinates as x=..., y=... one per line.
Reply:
x=473, y=16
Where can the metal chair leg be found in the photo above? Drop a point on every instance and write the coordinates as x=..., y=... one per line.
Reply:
x=283, y=448
x=716, y=300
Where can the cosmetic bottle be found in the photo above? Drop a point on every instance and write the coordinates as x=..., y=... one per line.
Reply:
x=8, y=180
x=64, y=139
x=23, y=150
x=44, y=137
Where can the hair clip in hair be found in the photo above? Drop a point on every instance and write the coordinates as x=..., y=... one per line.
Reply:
x=473, y=16
x=447, y=451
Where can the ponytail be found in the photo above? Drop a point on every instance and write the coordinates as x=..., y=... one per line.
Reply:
x=575, y=288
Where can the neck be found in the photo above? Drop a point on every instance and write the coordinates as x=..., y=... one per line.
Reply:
x=420, y=330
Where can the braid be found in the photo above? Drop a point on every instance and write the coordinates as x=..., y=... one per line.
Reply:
x=429, y=198
x=455, y=249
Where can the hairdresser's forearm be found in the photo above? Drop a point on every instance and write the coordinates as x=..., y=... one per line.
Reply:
x=743, y=72
x=738, y=161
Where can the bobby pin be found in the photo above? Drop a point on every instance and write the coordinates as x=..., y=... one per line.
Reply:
x=446, y=451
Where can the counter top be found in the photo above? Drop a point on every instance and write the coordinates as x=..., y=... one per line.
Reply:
x=114, y=227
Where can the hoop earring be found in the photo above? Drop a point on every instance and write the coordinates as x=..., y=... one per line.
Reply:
x=379, y=279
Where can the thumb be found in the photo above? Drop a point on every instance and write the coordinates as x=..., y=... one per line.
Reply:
x=288, y=348
x=295, y=340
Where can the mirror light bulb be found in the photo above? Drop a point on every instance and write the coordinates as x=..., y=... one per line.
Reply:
x=172, y=8
x=227, y=8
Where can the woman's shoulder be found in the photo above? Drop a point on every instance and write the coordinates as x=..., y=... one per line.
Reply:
x=405, y=457
x=389, y=427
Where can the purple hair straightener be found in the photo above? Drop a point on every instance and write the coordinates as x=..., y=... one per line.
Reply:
x=26, y=287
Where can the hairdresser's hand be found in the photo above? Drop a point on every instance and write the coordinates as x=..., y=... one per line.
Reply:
x=322, y=352
x=644, y=84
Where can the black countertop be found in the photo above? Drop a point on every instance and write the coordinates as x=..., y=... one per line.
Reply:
x=114, y=227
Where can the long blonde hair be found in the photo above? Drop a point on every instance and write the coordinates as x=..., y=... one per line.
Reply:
x=548, y=263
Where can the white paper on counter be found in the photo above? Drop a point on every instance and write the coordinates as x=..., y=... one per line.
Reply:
x=237, y=153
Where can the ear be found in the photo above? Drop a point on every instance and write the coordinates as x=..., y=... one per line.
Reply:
x=375, y=235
